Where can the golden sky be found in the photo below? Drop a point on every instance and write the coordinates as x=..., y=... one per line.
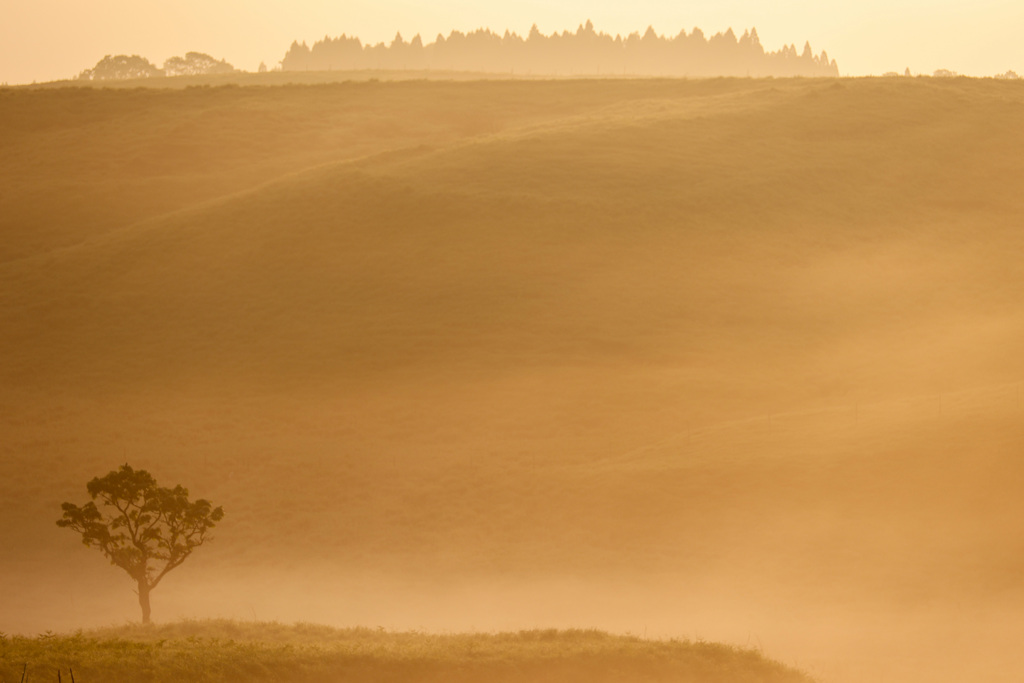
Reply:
x=50, y=39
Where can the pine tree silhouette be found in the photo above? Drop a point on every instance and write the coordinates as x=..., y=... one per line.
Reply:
x=583, y=52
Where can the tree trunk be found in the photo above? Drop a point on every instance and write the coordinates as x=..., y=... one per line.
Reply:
x=144, y=600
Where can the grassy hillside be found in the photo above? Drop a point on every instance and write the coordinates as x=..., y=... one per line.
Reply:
x=231, y=651
x=736, y=358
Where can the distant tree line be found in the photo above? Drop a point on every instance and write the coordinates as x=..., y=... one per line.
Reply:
x=584, y=52
x=947, y=73
x=121, y=67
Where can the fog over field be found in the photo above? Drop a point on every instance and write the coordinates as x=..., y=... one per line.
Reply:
x=731, y=360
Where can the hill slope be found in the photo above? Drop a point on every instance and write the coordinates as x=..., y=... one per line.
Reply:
x=710, y=351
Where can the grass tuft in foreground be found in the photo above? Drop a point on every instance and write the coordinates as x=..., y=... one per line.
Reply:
x=208, y=651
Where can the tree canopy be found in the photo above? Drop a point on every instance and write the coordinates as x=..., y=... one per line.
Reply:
x=196, y=64
x=120, y=67
x=124, y=67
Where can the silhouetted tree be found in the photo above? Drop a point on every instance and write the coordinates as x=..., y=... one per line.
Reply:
x=196, y=64
x=120, y=67
x=144, y=529
x=297, y=57
x=583, y=52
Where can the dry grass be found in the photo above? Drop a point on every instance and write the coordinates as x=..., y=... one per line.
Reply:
x=207, y=652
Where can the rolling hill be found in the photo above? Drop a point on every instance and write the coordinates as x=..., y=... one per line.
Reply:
x=723, y=356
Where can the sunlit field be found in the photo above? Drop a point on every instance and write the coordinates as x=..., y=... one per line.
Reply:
x=725, y=360
x=231, y=651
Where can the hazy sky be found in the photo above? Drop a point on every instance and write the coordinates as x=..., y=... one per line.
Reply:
x=49, y=39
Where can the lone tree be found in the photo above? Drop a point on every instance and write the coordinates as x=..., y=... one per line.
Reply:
x=145, y=529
